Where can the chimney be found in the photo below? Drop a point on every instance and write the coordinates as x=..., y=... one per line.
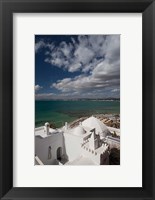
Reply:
x=66, y=125
x=47, y=126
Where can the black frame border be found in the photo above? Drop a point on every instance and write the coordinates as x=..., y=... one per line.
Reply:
x=7, y=8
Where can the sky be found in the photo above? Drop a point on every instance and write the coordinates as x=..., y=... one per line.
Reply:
x=77, y=66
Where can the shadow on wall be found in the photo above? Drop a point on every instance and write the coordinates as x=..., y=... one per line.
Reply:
x=61, y=152
x=114, y=157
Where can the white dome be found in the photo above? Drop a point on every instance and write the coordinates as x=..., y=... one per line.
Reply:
x=93, y=122
x=79, y=130
x=47, y=124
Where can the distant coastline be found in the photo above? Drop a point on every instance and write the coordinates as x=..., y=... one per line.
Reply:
x=83, y=99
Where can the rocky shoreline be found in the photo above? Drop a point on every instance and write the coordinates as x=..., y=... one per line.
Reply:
x=111, y=120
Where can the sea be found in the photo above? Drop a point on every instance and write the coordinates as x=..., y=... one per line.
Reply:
x=59, y=111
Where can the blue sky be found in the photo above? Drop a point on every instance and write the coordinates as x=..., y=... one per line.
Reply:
x=77, y=66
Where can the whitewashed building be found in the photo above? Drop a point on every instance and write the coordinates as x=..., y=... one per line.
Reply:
x=85, y=144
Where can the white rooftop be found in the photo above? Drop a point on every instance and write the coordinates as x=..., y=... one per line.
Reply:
x=79, y=130
x=93, y=122
x=40, y=132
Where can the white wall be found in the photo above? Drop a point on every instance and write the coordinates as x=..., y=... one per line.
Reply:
x=42, y=145
x=73, y=146
x=98, y=158
x=88, y=153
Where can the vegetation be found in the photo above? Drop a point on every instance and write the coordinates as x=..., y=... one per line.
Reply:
x=52, y=125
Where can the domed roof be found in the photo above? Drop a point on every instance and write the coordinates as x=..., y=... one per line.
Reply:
x=79, y=130
x=93, y=122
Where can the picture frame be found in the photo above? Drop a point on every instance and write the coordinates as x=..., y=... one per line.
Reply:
x=7, y=8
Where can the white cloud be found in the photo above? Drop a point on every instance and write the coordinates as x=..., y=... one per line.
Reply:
x=38, y=87
x=84, y=52
x=74, y=67
x=44, y=96
x=83, y=55
x=48, y=96
x=115, y=90
x=84, y=84
x=39, y=45
x=107, y=70
x=96, y=57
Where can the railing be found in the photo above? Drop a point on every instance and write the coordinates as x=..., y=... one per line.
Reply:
x=38, y=160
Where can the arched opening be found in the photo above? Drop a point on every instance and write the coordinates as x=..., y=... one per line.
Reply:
x=59, y=153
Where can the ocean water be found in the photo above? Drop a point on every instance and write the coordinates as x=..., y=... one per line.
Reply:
x=59, y=112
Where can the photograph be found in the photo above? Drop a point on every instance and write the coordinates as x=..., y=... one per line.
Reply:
x=77, y=99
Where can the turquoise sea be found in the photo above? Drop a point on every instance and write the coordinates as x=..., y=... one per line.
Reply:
x=59, y=112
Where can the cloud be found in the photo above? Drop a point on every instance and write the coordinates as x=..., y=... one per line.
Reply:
x=104, y=77
x=83, y=52
x=95, y=57
x=74, y=67
x=83, y=55
x=42, y=44
x=115, y=90
x=48, y=96
x=38, y=87
x=39, y=45
x=107, y=70
x=86, y=84
x=44, y=96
